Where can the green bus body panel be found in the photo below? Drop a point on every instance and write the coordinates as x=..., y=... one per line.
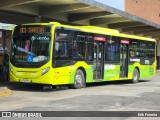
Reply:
x=65, y=75
x=109, y=74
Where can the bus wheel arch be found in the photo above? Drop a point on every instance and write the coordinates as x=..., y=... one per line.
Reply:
x=136, y=75
x=79, y=78
x=84, y=71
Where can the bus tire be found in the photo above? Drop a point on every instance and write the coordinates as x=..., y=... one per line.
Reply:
x=136, y=76
x=79, y=80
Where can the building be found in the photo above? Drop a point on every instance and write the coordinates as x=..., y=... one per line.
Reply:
x=147, y=9
x=76, y=12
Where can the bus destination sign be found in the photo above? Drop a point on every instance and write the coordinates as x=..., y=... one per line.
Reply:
x=38, y=29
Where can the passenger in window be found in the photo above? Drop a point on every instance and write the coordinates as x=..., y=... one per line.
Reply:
x=80, y=56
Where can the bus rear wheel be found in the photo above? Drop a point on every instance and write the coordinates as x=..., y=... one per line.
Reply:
x=79, y=80
x=136, y=76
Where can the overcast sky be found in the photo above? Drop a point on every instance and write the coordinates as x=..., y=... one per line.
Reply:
x=119, y=4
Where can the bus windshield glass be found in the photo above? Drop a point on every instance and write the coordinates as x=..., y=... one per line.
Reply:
x=31, y=44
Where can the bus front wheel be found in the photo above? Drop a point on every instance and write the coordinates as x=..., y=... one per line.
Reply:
x=79, y=79
x=136, y=76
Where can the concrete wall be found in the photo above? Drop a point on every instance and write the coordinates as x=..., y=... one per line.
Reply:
x=158, y=54
x=147, y=9
x=158, y=48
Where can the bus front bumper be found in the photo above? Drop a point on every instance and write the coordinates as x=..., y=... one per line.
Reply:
x=44, y=79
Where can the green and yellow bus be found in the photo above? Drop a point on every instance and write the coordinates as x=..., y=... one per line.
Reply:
x=56, y=54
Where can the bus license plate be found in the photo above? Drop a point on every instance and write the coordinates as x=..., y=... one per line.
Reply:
x=25, y=80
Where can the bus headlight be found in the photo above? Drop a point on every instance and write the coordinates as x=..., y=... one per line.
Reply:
x=45, y=70
x=11, y=69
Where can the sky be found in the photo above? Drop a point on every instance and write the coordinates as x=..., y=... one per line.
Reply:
x=119, y=4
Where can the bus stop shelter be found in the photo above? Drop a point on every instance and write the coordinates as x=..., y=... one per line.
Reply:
x=78, y=12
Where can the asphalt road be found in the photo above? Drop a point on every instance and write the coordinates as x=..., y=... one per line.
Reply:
x=109, y=96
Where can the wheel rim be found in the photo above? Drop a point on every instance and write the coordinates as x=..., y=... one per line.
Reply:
x=135, y=77
x=78, y=79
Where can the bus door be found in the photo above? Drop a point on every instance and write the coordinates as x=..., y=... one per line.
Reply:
x=98, y=60
x=124, y=58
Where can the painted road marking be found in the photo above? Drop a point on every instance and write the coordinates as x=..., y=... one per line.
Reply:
x=5, y=92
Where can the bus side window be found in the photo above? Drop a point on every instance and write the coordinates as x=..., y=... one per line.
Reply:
x=79, y=46
x=63, y=44
x=133, y=49
x=142, y=49
x=112, y=50
x=90, y=49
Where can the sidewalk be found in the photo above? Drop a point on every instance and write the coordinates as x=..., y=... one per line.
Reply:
x=157, y=71
x=4, y=91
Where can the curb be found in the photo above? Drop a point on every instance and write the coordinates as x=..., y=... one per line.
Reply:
x=5, y=92
x=158, y=72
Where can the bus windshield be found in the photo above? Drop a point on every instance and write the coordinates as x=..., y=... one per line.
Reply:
x=28, y=45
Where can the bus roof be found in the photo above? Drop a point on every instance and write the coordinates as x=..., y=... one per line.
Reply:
x=98, y=30
x=112, y=32
x=135, y=37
